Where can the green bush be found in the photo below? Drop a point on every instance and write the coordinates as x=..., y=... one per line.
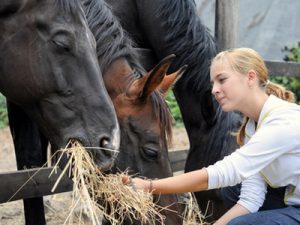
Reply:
x=175, y=111
x=293, y=53
x=3, y=112
x=291, y=83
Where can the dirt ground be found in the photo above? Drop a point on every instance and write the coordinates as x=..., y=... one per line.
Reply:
x=56, y=206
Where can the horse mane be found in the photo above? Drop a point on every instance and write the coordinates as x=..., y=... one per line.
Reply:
x=68, y=6
x=195, y=46
x=190, y=38
x=162, y=111
x=112, y=43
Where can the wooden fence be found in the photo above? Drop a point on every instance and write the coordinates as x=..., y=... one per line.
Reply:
x=40, y=184
x=31, y=183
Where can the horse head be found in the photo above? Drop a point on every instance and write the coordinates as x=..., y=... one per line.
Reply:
x=144, y=120
x=49, y=68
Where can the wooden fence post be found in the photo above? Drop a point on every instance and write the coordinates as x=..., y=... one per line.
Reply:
x=227, y=23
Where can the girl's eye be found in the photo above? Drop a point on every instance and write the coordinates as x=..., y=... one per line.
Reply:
x=222, y=80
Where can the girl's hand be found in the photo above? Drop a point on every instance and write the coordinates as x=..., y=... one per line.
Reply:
x=125, y=179
x=137, y=183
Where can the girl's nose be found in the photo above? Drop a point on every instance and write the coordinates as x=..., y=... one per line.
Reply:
x=215, y=89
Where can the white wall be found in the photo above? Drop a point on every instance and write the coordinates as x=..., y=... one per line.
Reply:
x=265, y=25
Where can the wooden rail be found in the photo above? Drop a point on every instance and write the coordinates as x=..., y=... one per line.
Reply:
x=177, y=159
x=36, y=182
x=282, y=68
x=276, y=68
x=31, y=183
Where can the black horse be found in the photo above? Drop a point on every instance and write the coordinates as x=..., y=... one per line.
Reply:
x=173, y=26
x=50, y=76
x=143, y=114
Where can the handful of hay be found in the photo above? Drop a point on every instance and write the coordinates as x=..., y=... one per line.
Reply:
x=118, y=201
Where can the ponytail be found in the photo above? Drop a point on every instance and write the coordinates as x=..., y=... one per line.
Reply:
x=280, y=92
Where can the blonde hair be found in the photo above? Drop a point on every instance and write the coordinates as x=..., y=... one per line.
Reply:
x=244, y=59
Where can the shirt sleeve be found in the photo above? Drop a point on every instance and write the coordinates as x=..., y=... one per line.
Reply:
x=253, y=192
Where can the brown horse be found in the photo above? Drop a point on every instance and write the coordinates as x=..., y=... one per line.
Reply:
x=50, y=76
x=143, y=115
x=145, y=123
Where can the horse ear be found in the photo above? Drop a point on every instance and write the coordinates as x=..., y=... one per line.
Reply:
x=143, y=87
x=9, y=7
x=171, y=79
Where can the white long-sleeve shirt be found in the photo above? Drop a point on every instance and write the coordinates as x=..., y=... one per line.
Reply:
x=271, y=154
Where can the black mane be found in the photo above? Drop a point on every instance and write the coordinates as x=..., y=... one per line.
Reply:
x=196, y=47
x=188, y=36
x=112, y=41
x=68, y=6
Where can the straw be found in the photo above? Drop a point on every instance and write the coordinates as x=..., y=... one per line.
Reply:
x=192, y=214
x=96, y=193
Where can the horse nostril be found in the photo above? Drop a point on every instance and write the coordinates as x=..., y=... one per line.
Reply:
x=105, y=145
x=104, y=142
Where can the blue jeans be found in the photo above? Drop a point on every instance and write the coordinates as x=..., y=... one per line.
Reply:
x=284, y=216
x=273, y=211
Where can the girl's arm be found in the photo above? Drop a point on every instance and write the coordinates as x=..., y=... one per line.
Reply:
x=235, y=211
x=188, y=182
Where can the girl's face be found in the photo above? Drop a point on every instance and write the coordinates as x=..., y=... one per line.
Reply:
x=228, y=86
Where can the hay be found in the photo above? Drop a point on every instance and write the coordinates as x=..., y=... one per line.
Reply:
x=91, y=186
x=192, y=214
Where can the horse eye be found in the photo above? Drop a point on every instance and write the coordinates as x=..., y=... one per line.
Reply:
x=68, y=92
x=150, y=152
x=62, y=45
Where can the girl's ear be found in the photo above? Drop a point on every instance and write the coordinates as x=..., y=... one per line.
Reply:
x=252, y=78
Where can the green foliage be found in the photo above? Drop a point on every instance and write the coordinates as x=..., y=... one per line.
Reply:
x=3, y=112
x=175, y=111
x=293, y=53
x=291, y=83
